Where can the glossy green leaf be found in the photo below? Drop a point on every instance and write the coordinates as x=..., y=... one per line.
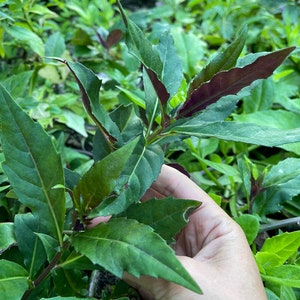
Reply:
x=284, y=245
x=223, y=61
x=7, y=236
x=101, y=179
x=124, y=245
x=28, y=242
x=13, y=280
x=166, y=216
x=89, y=85
x=283, y=172
x=27, y=165
x=141, y=170
x=237, y=131
x=287, y=275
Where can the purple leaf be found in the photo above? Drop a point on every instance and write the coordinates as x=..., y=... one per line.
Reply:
x=231, y=82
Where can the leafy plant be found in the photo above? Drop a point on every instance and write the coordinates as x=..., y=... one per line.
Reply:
x=48, y=240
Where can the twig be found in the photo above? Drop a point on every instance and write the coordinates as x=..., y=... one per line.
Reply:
x=279, y=224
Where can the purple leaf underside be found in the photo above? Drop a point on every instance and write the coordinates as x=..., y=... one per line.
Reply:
x=231, y=82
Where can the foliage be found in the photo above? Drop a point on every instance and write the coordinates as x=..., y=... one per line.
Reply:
x=166, y=96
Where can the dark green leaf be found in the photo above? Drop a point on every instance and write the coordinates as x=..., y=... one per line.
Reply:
x=31, y=171
x=123, y=245
x=28, y=242
x=7, y=236
x=223, y=61
x=141, y=170
x=13, y=280
x=69, y=282
x=271, y=200
x=50, y=245
x=166, y=216
x=231, y=82
x=101, y=179
x=89, y=85
x=127, y=120
x=139, y=46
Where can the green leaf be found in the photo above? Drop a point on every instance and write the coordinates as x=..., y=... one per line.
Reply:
x=166, y=216
x=284, y=245
x=281, y=119
x=250, y=226
x=223, y=61
x=55, y=45
x=27, y=37
x=190, y=49
x=31, y=171
x=271, y=200
x=127, y=120
x=69, y=282
x=283, y=172
x=7, y=236
x=13, y=280
x=101, y=179
x=287, y=275
x=261, y=98
x=139, y=46
x=17, y=84
x=237, y=131
x=28, y=242
x=141, y=170
x=172, y=73
x=89, y=85
x=287, y=293
x=123, y=245
x=49, y=243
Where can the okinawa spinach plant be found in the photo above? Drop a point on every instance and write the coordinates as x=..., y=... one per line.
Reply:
x=50, y=245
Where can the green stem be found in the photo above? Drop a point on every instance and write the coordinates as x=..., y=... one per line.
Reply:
x=46, y=272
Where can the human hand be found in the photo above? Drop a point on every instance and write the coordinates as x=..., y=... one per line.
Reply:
x=212, y=248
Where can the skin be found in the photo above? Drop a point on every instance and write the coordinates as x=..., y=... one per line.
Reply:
x=212, y=247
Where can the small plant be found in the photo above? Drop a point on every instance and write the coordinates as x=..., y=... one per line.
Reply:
x=50, y=245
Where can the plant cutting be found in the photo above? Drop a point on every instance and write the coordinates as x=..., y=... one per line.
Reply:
x=51, y=230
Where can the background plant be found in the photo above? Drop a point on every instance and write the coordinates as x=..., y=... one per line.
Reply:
x=257, y=186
